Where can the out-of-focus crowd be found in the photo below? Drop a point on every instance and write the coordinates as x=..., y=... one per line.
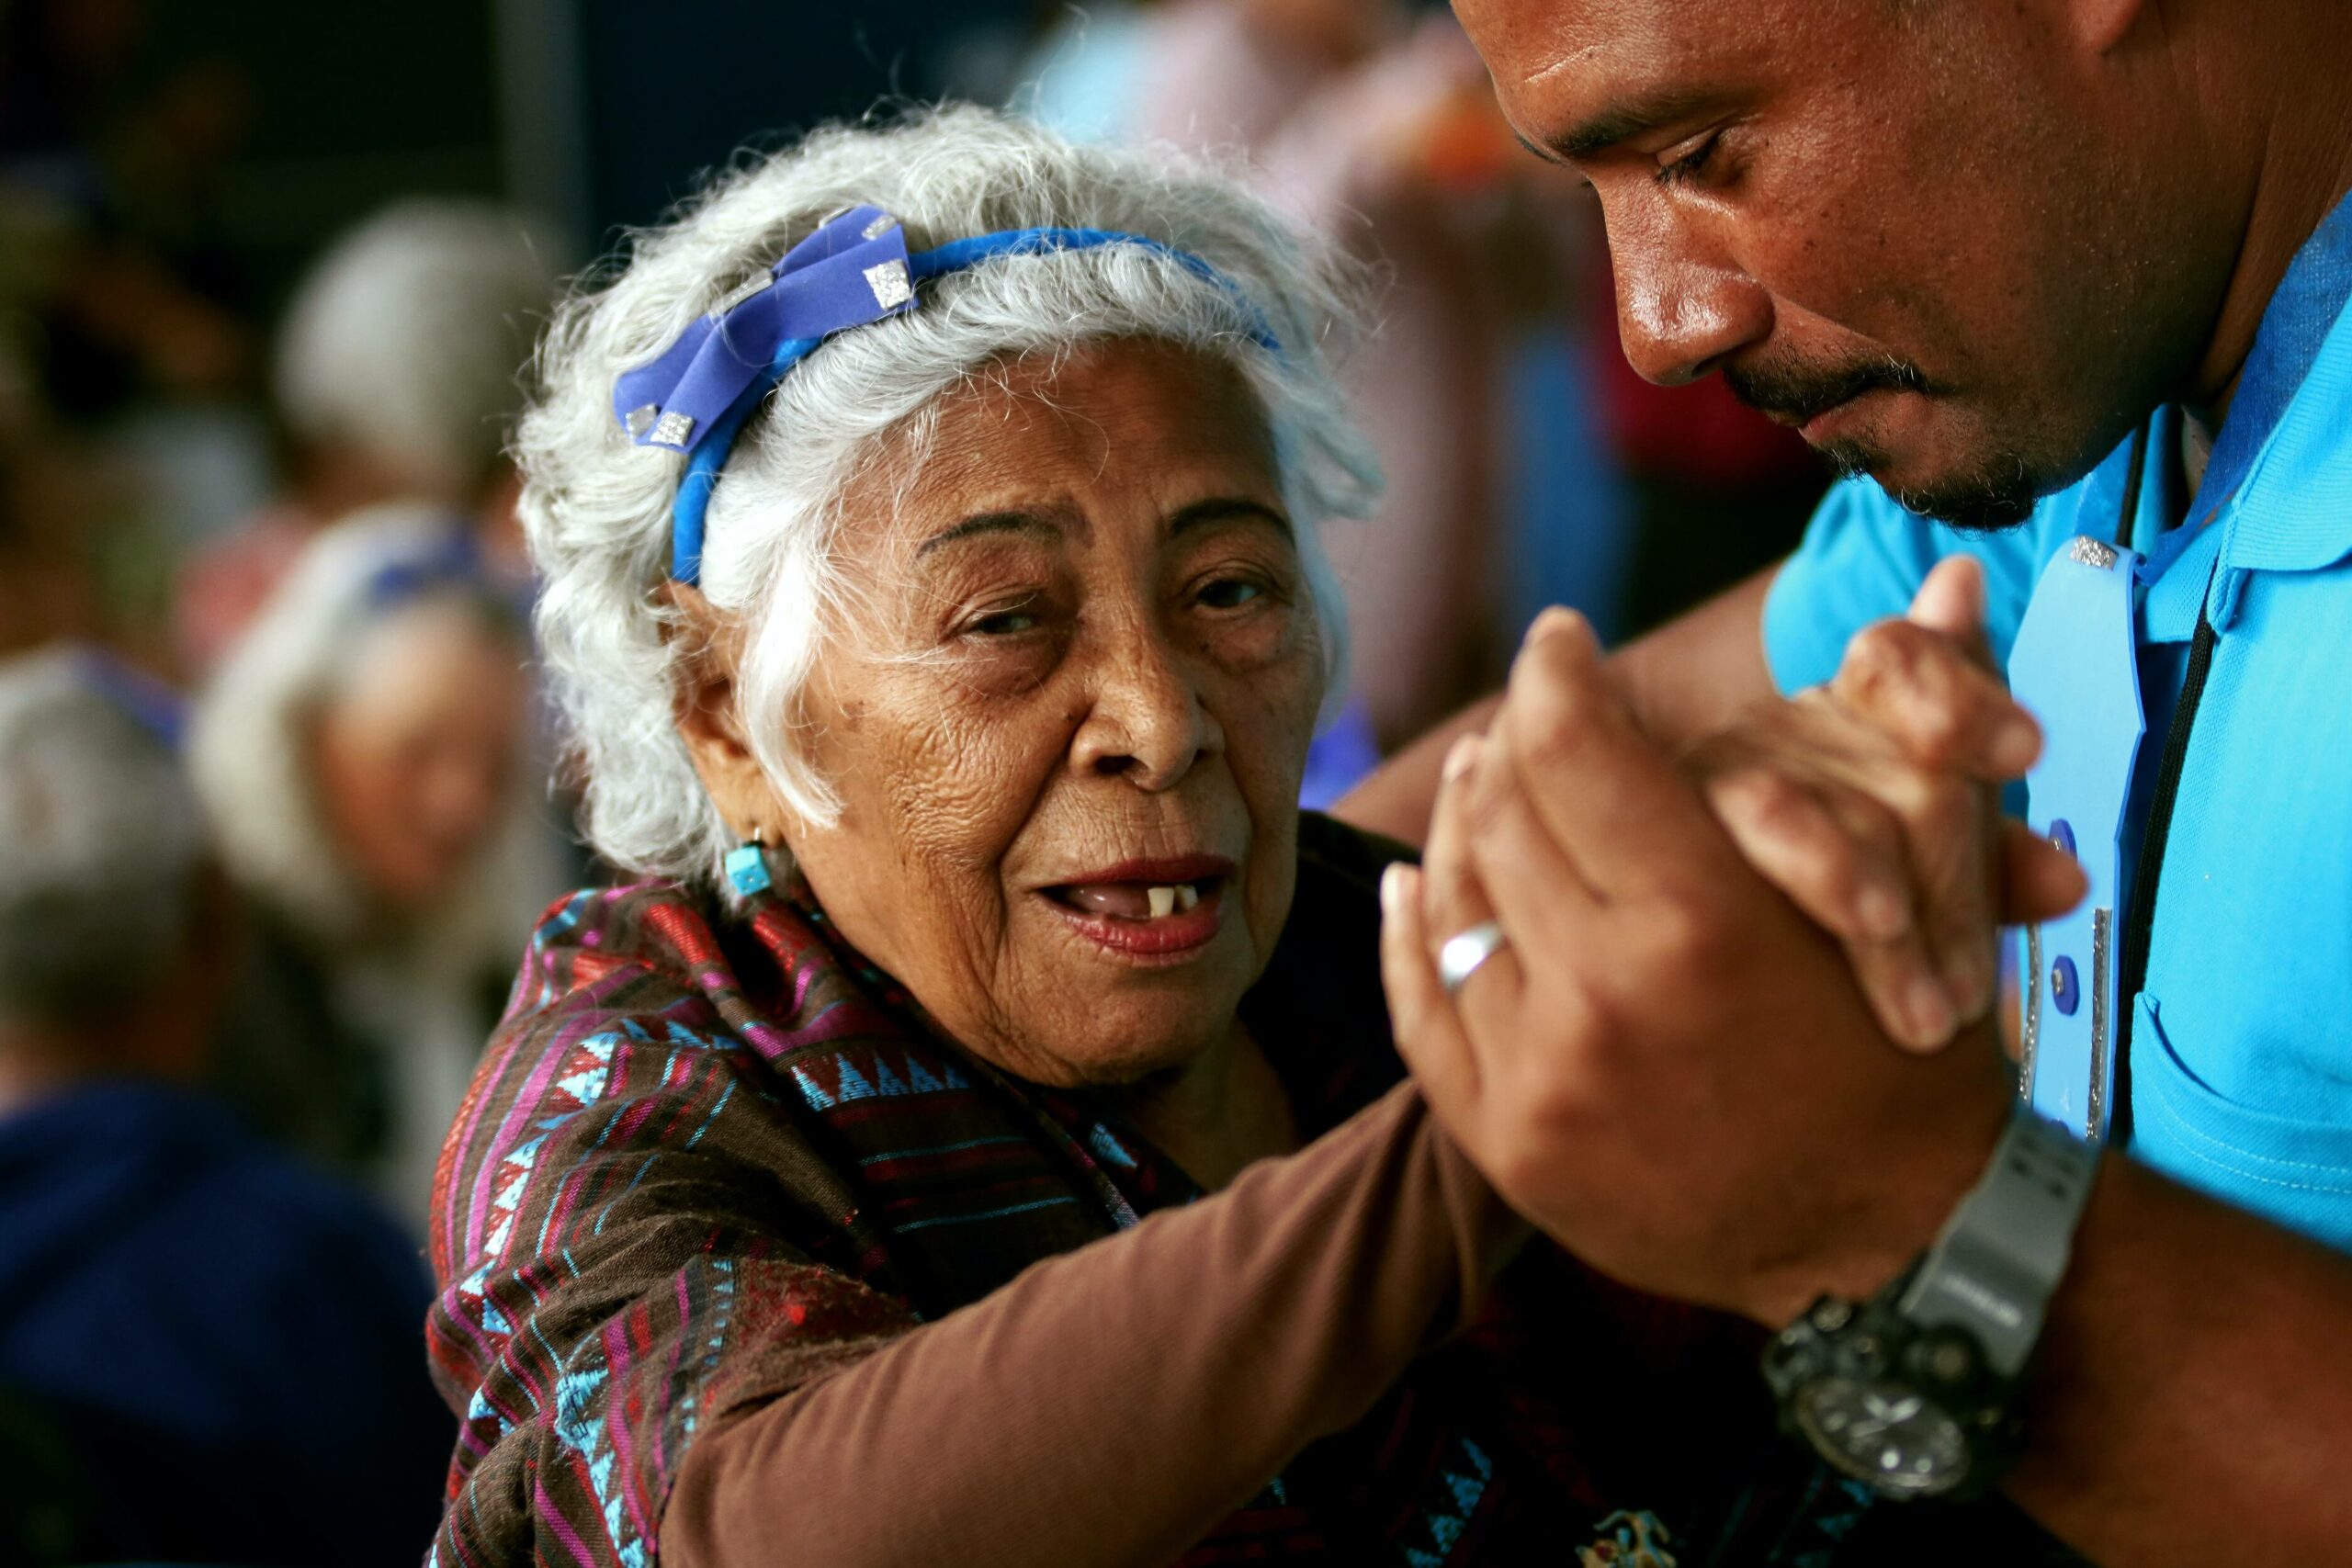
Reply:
x=272, y=817
x=276, y=802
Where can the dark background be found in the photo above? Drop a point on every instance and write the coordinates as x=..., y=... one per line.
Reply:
x=595, y=113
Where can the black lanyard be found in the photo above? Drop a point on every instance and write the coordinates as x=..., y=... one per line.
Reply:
x=2147, y=867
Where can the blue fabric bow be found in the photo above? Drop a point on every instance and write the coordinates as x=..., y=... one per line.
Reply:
x=855, y=269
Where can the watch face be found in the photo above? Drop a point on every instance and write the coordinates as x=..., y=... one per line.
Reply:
x=1884, y=1433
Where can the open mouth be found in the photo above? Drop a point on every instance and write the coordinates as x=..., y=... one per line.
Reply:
x=1147, y=909
x=1135, y=900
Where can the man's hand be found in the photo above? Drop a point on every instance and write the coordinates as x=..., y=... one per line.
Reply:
x=1873, y=802
x=1669, y=1067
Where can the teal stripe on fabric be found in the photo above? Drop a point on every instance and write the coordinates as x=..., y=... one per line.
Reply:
x=987, y=1215
x=724, y=1096
x=940, y=1149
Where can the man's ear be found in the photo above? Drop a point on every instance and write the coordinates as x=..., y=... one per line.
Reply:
x=708, y=647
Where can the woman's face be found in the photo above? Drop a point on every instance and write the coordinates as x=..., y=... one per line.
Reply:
x=413, y=754
x=1069, y=726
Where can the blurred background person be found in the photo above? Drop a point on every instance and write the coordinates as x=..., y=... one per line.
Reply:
x=176, y=1299
x=397, y=378
x=1079, y=74
x=364, y=756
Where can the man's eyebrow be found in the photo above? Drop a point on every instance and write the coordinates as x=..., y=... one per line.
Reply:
x=1015, y=522
x=1225, y=509
x=1591, y=137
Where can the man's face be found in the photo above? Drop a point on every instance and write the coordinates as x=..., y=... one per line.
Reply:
x=1927, y=233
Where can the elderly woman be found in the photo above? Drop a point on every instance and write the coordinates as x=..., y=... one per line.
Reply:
x=364, y=757
x=981, y=1142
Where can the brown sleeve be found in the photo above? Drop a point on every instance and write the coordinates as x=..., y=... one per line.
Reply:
x=1109, y=1407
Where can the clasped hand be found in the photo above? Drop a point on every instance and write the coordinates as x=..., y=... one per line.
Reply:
x=1707, y=1061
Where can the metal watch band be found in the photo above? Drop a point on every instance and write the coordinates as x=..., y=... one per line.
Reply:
x=2001, y=1255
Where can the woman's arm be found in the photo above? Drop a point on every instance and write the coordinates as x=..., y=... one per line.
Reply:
x=1109, y=1405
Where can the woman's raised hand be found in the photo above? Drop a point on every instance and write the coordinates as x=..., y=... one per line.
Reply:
x=1873, y=802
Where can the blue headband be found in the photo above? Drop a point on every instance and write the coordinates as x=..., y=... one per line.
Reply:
x=138, y=697
x=453, y=559
x=853, y=269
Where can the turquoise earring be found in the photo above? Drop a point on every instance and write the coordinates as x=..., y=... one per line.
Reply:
x=747, y=867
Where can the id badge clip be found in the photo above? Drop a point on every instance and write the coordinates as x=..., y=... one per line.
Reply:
x=2075, y=668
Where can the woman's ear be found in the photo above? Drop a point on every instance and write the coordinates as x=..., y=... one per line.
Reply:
x=707, y=648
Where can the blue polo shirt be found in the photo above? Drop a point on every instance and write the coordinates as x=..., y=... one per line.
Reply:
x=2240, y=1046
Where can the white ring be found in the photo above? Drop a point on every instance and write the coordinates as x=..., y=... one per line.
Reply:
x=1463, y=953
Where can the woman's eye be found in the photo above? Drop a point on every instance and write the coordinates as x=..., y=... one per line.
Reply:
x=1231, y=592
x=1007, y=623
x=1692, y=163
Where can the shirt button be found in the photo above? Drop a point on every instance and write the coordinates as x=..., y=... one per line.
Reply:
x=2065, y=987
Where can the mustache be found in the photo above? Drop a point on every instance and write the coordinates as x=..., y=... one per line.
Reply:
x=1798, y=392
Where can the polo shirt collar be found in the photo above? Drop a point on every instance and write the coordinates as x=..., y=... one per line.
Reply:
x=2294, y=510
x=2286, y=430
x=2276, y=495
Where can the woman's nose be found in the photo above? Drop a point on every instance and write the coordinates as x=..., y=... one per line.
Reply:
x=1680, y=314
x=1146, y=723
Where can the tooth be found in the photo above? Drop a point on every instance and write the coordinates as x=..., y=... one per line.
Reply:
x=1163, y=902
x=1187, y=896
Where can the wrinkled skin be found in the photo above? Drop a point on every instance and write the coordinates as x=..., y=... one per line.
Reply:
x=413, y=752
x=1870, y=801
x=1990, y=223
x=1021, y=705
x=1668, y=1067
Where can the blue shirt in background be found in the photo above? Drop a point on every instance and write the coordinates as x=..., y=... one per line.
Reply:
x=217, y=1352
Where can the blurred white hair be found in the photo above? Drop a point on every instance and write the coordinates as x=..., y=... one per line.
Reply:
x=100, y=847
x=248, y=743
x=597, y=507
x=409, y=337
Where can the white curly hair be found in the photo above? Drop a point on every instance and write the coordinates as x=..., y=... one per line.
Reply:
x=596, y=507
x=408, y=338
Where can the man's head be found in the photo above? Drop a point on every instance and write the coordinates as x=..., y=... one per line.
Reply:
x=111, y=939
x=1964, y=247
